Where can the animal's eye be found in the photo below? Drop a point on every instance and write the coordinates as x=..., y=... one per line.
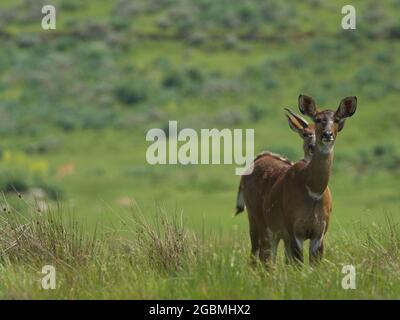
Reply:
x=317, y=120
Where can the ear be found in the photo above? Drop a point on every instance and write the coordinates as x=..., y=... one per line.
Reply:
x=347, y=108
x=307, y=105
x=299, y=119
x=341, y=124
x=294, y=124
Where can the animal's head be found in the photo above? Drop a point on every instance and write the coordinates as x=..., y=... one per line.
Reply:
x=306, y=131
x=327, y=122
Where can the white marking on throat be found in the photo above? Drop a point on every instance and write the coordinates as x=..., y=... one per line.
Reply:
x=314, y=195
x=326, y=149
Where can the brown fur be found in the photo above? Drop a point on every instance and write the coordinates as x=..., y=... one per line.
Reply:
x=304, y=130
x=267, y=168
x=277, y=194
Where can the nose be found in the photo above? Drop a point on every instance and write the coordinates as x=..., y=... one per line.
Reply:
x=327, y=135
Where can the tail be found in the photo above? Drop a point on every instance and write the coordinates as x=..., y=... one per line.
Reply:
x=240, y=200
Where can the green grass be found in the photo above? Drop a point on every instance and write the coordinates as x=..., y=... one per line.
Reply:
x=159, y=258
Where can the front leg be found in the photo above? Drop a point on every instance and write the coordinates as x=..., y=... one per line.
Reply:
x=294, y=249
x=316, y=250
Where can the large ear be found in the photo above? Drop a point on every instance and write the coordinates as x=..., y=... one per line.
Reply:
x=299, y=119
x=341, y=124
x=296, y=123
x=347, y=108
x=307, y=105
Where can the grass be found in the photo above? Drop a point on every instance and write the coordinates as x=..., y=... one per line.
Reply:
x=161, y=258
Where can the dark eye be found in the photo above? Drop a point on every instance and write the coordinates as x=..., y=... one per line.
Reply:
x=317, y=120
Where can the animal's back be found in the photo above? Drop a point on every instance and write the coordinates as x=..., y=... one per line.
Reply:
x=257, y=185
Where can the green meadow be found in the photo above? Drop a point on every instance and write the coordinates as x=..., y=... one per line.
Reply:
x=76, y=104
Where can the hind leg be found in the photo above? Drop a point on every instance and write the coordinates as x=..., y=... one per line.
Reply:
x=265, y=248
x=254, y=242
x=274, y=242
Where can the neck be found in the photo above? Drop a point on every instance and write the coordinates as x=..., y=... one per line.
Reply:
x=318, y=171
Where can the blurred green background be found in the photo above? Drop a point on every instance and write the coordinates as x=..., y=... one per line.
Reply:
x=76, y=102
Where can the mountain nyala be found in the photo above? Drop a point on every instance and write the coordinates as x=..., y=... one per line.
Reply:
x=292, y=201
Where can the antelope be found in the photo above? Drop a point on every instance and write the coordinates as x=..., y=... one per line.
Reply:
x=300, y=203
x=66, y=169
x=266, y=169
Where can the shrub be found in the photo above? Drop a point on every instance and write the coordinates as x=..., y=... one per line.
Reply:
x=52, y=190
x=386, y=156
x=231, y=20
x=92, y=30
x=165, y=245
x=68, y=118
x=384, y=57
x=173, y=79
x=14, y=181
x=183, y=19
x=131, y=93
x=231, y=41
x=28, y=40
x=270, y=83
x=244, y=48
x=118, y=23
x=187, y=79
x=127, y=8
x=163, y=23
x=98, y=118
x=35, y=239
x=45, y=146
x=394, y=31
x=365, y=75
x=377, y=157
x=297, y=60
x=19, y=173
x=73, y=5
x=256, y=112
x=65, y=42
x=196, y=38
x=247, y=12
